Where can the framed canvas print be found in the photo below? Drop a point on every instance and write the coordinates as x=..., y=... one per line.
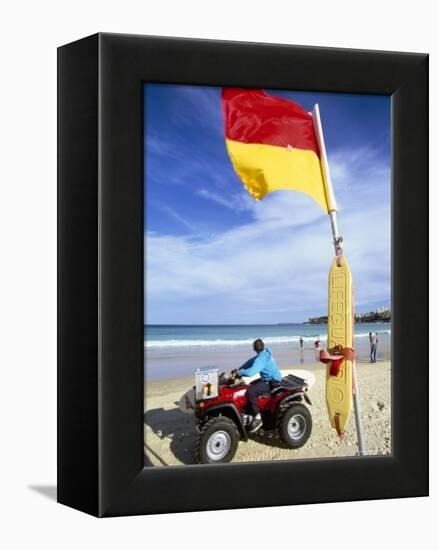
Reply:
x=242, y=275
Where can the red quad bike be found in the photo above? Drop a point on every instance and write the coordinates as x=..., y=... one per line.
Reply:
x=222, y=418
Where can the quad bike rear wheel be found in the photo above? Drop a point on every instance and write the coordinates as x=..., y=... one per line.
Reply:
x=217, y=441
x=295, y=425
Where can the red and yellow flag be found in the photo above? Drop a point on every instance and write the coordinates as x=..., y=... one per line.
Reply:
x=272, y=144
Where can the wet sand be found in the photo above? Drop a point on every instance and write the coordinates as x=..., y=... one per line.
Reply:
x=180, y=362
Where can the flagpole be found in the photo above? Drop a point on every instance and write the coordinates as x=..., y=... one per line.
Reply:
x=338, y=247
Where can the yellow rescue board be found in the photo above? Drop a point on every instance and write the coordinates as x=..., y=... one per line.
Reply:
x=340, y=332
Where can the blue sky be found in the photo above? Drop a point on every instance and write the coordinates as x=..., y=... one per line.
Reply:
x=215, y=255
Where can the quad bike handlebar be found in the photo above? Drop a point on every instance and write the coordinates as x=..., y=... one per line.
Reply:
x=229, y=379
x=234, y=375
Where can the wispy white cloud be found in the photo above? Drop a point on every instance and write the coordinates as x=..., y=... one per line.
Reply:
x=159, y=145
x=168, y=210
x=235, y=202
x=279, y=261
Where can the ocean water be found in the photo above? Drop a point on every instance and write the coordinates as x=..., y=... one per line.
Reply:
x=199, y=336
x=178, y=350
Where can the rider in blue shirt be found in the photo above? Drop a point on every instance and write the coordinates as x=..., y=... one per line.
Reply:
x=264, y=365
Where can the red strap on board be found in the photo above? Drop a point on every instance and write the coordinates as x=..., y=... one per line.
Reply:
x=339, y=353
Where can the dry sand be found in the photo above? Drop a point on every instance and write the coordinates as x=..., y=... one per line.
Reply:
x=170, y=435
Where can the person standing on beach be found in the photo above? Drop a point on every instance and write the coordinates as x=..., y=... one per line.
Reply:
x=317, y=344
x=301, y=342
x=373, y=339
x=265, y=365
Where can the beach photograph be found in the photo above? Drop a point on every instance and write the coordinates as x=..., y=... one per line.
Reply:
x=267, y=296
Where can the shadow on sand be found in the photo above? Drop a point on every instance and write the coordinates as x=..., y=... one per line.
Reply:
x=266, y=438
x=180, y=429
x=176, y=426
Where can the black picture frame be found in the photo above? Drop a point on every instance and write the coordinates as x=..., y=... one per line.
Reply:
x=100, y=282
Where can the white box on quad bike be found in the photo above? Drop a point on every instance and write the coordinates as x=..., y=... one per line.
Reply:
x=206, y=384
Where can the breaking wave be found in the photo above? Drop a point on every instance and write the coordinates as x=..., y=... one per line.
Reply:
x=270, y=340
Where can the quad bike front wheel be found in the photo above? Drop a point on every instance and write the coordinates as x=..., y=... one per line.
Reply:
x=217, y=441
x=295, y=425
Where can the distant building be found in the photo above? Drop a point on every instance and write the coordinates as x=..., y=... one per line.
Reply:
x=381, y=314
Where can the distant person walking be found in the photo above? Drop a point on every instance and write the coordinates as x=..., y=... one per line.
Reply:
x=317, y=344
x=373, y=339
x=301, y=342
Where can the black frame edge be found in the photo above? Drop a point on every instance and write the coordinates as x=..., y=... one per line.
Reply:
x=77, y=464
x=410, y=283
